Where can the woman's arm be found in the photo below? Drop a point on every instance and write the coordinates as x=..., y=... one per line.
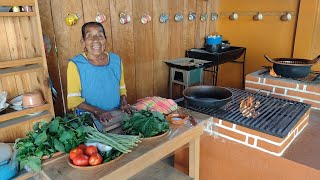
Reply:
x=73, y=86
x=124, y=106
x=99, y=113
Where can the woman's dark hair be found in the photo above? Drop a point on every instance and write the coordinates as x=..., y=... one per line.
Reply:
x=86, y=25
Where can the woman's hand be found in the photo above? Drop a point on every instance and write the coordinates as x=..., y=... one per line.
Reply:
x=124, y=106
x=103, y=115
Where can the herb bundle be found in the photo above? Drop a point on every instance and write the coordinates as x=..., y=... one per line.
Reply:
x=145, y=124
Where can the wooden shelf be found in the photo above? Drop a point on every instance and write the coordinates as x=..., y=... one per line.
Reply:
x=23, y=113
x=16, y=2
x=17, y=14
x=20, y=70
x=42, y=115
x=21, y=62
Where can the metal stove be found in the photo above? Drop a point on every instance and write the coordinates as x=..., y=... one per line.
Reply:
x=275, y=116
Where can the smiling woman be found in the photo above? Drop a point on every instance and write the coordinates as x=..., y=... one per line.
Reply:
x=95, y=77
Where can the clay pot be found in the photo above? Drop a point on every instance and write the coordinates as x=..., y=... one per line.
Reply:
x=32, y=99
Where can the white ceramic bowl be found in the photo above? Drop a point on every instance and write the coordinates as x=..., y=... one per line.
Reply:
x=17, y=101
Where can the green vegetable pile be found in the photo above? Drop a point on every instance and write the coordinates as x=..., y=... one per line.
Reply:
x=145, y=124
x=60, y=134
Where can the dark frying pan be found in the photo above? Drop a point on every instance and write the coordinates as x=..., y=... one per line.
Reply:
x=207, y=96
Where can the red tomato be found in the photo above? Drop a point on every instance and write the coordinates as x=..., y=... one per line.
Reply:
x=75, y=152
x=81, y=160
x=91, y=150
x=83, y=147
x=95, y=159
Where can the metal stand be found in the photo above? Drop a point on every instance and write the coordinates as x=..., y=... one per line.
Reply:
x=185, y=81
x=218, y=58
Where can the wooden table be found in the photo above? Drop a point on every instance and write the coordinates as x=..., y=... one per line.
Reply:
x=145, y=154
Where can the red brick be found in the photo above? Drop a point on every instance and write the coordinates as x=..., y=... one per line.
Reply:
x=232, y=134
x=216, y=120
x=260, y=134
x=301, y=120
x=293, y=98
x=259, y=86
x=252, y=78
x=312, y=88
x=279, y=90
x=251, y=90
x=250, y=140
x=313, y=104
x=272, y=147
x=226, y=123
x=302, y=125
x=278, y=96
x=304, y=95
x=281, y=83
x=300, y=86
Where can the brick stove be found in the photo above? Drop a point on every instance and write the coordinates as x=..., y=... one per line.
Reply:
x=305, y=90
x=274, y=127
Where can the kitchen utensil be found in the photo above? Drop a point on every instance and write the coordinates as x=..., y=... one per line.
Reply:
x=32, y=99
x=17, y=101
x=207, y=96
x=176, y=118
x=292, y=67
x=97, y=123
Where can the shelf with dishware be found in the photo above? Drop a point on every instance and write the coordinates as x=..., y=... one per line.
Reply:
x=10, y=113
x=23, y=68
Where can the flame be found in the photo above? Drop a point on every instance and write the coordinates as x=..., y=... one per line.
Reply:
x=273, y=74
x=248, y=107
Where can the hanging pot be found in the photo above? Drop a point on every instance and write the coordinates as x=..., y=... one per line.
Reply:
x=292, y=67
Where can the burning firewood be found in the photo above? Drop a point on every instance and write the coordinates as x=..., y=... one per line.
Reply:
x=248, y=107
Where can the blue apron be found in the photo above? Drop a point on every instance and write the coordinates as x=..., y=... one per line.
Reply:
x=100, y=84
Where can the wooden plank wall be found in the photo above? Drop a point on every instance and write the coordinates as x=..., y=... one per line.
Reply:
x=142, y=47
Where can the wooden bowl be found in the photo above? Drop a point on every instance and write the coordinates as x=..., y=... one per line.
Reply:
x=156, y=137
x=176, y=118
x=92, y=167
x=32, y=99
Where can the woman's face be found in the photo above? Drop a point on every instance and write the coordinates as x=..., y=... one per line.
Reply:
x=94, y=41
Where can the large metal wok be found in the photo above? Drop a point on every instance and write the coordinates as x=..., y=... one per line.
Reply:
x=207, y=96
x=292, y=67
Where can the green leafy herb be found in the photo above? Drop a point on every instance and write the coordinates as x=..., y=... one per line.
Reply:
x=60, y=134
x=146, y=124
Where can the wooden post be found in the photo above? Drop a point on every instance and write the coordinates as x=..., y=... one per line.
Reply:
x=194, y=158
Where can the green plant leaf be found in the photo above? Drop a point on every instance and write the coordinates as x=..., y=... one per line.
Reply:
x=58, y=145
x=39, y=153
x=67, y=147
x=28, y=144
x=35, y=126
x=54, y=125
x=75, y=125
x=34, y=163
x=66, y=135
x=41, y=139
x=35, y=135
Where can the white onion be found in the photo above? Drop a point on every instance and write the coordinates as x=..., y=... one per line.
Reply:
x=103, y=147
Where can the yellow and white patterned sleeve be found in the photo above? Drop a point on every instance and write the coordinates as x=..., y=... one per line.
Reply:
x=123, y=90
x=73, y=86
